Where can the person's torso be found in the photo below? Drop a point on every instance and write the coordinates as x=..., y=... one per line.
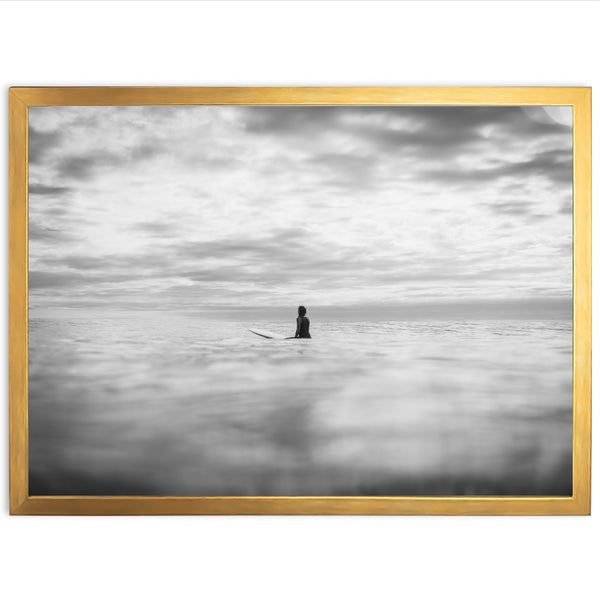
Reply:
x=304, y=327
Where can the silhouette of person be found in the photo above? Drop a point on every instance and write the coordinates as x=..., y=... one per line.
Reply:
x=302, y=324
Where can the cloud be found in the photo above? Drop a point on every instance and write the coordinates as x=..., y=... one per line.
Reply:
x=55, y=236
x=49, y=190
x=156, y=228
x=566, y=208
x=556, y=166
x=70, y=279
x=51, y=279
x=512, y=207
x=418, y=131
x=87, y=166
x=42, y=142
x=344, y=169
x=150, y=262
x=291, y=120
x=218, y=206
x=143, y=152
x=84, y=167
x=274, y=244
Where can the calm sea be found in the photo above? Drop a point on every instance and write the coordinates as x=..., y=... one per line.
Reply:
x=191, y=406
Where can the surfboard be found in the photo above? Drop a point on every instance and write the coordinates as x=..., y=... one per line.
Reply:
x=268, y=334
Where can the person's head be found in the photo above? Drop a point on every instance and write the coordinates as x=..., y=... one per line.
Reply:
x=301, y=311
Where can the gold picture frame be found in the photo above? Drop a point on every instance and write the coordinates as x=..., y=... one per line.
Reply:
x=21, y=98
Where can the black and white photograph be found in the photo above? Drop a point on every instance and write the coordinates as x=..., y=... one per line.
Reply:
x=300, y=300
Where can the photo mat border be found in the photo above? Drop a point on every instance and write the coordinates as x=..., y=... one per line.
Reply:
x=21, y=98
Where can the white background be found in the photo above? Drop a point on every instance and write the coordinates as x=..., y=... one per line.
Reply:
x=338, y=43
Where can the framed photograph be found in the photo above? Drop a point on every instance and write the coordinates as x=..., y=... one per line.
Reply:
x=300, y=300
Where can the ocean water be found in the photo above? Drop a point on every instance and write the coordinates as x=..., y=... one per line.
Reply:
x=176, y=405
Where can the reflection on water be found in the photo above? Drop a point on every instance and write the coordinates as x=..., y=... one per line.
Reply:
x=197, y=407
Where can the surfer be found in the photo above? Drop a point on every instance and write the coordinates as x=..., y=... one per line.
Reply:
x=302, y=324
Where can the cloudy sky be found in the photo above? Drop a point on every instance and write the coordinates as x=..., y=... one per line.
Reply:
x=203, y=208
